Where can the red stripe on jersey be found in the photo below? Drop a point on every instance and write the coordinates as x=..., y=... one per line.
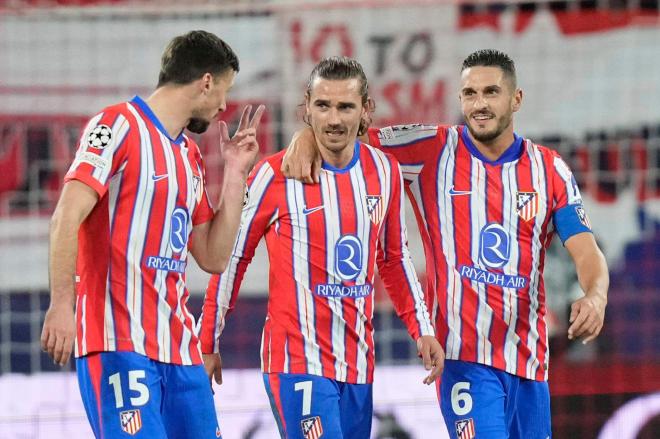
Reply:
x=318, y=258
x=494, y=294
x=462, y=181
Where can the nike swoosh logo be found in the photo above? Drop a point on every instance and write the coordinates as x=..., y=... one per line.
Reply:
x=453, y=192
x=307, y=211
x=155, y=177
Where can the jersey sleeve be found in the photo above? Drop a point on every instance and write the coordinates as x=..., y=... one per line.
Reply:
x=204, y=208
x=101, y=151
x=222, y=291
x=569, y=216
x=396, y=268
x=412, y=145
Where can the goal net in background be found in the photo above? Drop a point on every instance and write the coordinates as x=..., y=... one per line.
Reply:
x=590, y=72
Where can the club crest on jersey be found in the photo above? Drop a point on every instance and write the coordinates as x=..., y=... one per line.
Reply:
x=197, y=187
x=179, y=230
x=374, y=208
x=99, y=137
x=312, y=428
x=527, y=205
x=348, y=257
x=131, y=421
x=465, y=429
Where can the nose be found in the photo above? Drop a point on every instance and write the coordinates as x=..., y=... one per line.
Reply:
x=333, y=117
x=480, y=102
x=223, y=105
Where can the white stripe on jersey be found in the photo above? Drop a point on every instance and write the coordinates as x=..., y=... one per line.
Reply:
x=510, y=295
x=109, y=336
x=191, y=201
x=446, y=216
x=138, y=229
x=333, y=232
x=478, y=220
x=296, y=198
x=411, y=172
x=160, y=282
x=540, y=186
x=565, y=173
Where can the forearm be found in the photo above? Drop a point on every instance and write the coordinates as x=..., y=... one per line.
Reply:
x=593, y=275
x=225, y=223
x=62, y=258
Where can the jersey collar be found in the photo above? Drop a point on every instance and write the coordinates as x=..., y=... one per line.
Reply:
x=356, y=157
x=512, y=153
x=137, y=100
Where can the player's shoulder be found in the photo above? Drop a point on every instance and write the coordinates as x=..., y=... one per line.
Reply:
x=383, y=155
x=545, y=151
x=271, y=164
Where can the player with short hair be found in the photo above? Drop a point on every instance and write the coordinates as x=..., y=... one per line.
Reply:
x=324, y=242
x=488, y=203
x=133, y=205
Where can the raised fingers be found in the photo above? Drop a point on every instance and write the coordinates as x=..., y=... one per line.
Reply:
x=256, y=119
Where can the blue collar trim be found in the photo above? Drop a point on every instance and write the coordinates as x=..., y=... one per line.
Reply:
x=354, y=160
x=512, y=153
x=137, y=100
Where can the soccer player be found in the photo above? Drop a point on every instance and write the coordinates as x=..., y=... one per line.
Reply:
x=488, y=202
x=133, y=205
x=324, y=242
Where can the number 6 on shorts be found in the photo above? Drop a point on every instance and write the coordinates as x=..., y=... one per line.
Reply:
x=306, y=387
x=461, y=401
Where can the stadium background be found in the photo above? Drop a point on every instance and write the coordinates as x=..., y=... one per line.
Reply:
x=590, y=71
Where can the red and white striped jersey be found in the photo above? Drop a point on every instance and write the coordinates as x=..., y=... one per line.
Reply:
x=133, y=246
x=485, y=227
x=324, y=242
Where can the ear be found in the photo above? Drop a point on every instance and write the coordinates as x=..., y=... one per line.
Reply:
x=307, y=103
x=517, y=100
x=206, y=82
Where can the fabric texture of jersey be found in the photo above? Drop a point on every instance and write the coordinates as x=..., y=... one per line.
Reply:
x=310, y=406
x=324, y=242
x=485, y=227
x=133, y=246
x=481, y=401
x=129, y=395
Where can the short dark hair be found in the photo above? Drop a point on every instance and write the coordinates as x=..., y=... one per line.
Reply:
x=189, y=56
x=338, y=68
x=492, y=58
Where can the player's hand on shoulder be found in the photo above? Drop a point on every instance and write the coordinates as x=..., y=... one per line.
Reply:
x=59, y=333
x=302, y=160
x=213, y=367
x=241, y=150
x=587, y=317
x=433, y=356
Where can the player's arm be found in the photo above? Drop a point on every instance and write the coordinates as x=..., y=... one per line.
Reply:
x=222, y=290
x=574, y=229
x=212, y=241
x=398, y=274
x=588, y=313
x=76, y=202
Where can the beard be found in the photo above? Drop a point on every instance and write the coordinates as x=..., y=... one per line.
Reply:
x=198, y=125
x=489, y=136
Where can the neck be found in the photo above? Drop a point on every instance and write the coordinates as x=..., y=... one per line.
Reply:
x=494, y=149
x=338, y=159
x=169, y=105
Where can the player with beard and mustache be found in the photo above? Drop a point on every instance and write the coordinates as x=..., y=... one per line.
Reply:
x=119, y=241
x=488, y=203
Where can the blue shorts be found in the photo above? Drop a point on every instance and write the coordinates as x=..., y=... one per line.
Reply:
x=483, y=402
x=129, y=395
x=307, y=406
